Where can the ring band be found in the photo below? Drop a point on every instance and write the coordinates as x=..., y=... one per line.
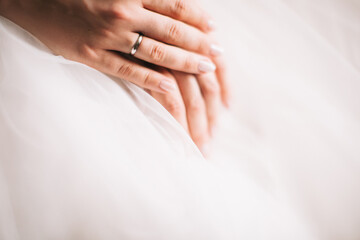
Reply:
x=136, y=45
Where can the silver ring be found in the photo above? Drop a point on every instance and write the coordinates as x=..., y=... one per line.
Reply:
x=136, y=45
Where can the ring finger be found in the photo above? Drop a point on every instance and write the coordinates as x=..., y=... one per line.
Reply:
x=164, y=55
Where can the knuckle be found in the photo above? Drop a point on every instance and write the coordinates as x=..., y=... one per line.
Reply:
x=189, y=62
x=194, y=104
x=105, y=33
x=87, y=52
x=211, y=88
x=157, y=53
x=174, y=106
x=119, y=11
x=125, y=70
x=147, y=79
x=173, y=32
x=179, y=8
x=198, y=138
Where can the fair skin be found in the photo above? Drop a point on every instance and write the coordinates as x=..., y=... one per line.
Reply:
x=101, y=34
x=195, y=109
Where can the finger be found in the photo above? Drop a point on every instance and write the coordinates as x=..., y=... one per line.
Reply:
x=161, y=54
x=195, y=109
x=222, y=76
x=173, y=32
x=173, y=102
x=183, y=10
x=116, y=65
x=173, y=58
x=211, y=93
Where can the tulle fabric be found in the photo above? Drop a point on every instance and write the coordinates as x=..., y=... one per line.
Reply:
x=295, y=68
x=86, y=156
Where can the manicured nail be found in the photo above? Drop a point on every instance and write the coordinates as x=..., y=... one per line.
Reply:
x=205, y=150
x=213, y=131
x=167, y=85
x=227, y=102
x=211, y=24
x=205, y=66
x=216, y=50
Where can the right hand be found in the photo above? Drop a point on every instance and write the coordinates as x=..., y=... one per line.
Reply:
x=100, y=34
x=195, y=104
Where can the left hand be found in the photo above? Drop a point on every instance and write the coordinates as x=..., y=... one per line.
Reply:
x=195, y=104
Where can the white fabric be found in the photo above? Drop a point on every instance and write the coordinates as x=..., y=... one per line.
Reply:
x=84, y=156
x=296, y=68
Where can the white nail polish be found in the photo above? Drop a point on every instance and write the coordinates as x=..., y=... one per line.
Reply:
x=205, y=66
x=211, y=24
x=166, y=85
x=216, y=50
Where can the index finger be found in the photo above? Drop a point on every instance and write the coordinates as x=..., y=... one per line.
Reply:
x=182, y=10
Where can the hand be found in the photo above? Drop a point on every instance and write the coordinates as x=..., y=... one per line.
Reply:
x=100, y=33
x=195, y=104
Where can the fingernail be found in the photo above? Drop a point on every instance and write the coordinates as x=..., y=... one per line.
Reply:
x=167, y=85
x=228, y=103
x=211, y=24
x=205, y=66
x=205, y=150
x=213, y=131
x=216, y=50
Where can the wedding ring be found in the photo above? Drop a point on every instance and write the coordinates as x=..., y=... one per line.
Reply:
x=136, y=45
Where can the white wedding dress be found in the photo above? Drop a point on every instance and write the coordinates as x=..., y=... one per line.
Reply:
x=87, y=157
